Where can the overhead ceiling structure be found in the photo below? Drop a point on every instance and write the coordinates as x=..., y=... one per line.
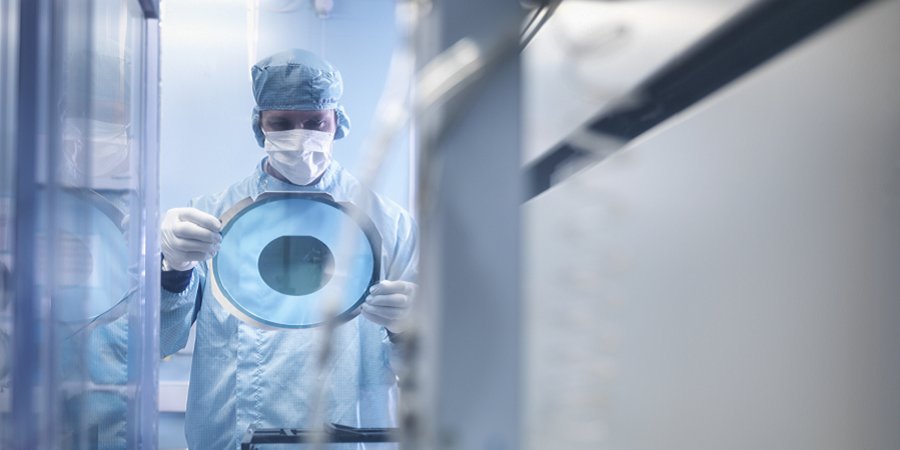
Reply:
x=714, y=44
x=590, y=53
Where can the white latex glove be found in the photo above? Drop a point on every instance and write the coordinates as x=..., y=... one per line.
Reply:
x=188, y=235
x=389, y=303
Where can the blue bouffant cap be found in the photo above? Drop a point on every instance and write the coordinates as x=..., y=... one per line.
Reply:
x=297, y=80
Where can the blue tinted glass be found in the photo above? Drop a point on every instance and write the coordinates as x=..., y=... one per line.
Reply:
x=280, y=261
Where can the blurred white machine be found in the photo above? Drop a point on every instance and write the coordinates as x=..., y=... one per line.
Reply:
x=728, y=280
x=708, y=263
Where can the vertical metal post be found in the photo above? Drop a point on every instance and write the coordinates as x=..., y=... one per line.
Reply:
x=472, y=189
x=143, y=319
x=31, y=81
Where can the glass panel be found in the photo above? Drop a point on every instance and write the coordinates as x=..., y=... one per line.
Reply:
x=72, y=215
x=8, y=72
x=94, y=203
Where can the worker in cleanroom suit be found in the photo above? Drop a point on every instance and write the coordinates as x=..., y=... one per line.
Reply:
x=243, y=376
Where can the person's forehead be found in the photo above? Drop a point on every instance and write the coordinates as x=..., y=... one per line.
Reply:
x=294, y=114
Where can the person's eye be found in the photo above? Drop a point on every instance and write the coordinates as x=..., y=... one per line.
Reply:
x=278, y=125
x=314, y=124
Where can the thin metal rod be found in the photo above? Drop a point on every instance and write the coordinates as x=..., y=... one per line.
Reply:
x=25, y=332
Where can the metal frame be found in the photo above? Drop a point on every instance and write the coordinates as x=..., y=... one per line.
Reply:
x=144, y=315
x=37, y=79
x=31, y=81
x=150, y=8
x=468, y=342
x=334, y=433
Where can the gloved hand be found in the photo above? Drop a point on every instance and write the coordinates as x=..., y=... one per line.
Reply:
x=389, y=303
x=188, y=235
